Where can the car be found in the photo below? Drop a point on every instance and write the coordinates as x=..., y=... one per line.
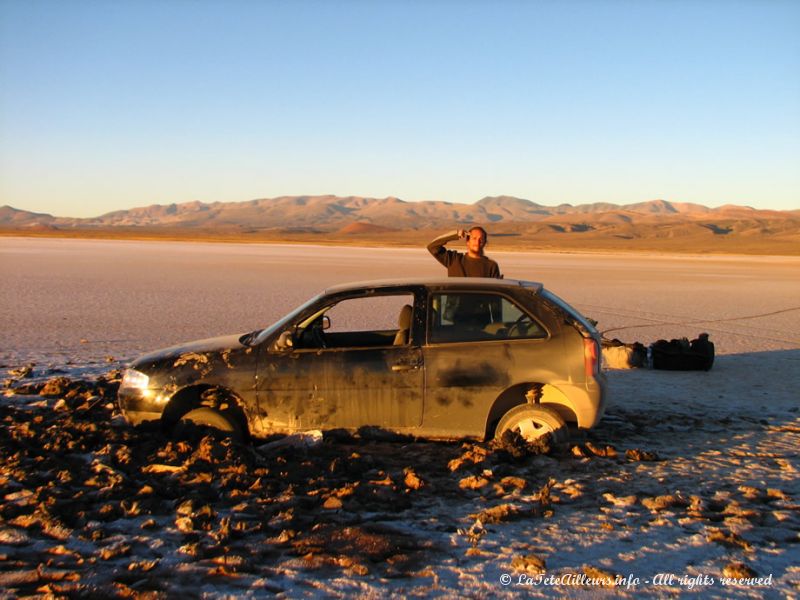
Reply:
x=441, y=358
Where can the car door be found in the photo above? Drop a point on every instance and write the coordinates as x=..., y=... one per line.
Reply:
x=479, y=343
x=359, y=370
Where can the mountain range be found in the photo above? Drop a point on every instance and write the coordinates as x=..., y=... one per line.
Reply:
x=337, y=217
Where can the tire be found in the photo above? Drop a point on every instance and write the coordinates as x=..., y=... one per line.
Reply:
x=533, y=421
x=223, y=421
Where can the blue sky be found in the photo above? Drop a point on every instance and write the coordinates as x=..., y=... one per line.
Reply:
x=116, y=104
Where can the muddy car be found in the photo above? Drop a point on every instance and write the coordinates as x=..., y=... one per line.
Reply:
x=436, y=358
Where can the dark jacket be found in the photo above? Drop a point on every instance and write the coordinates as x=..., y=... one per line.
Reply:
x=459, y=264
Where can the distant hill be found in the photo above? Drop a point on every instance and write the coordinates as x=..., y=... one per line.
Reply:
x=330, y=218
x=12, y=217
x=368, y=228
x=334, y=212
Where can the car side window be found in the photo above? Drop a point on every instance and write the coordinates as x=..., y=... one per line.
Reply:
x=362, y=322
x=468, y=317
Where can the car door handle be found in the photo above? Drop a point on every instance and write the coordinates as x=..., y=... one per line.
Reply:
x=406, y=367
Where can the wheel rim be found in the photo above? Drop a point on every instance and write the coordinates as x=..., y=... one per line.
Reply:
x=531, y=429
x=214, y=419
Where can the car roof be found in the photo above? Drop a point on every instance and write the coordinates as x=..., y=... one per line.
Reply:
x=438, y=282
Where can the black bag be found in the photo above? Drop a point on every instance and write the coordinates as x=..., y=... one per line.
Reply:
x=682, y=355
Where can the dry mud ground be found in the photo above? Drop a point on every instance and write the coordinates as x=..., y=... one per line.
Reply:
x=688, y=486
x=92, y=507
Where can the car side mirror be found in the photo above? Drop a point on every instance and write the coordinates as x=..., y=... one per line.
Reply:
x=285, y=341
x=326, y=322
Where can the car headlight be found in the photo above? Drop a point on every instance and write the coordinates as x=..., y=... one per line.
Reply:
x=134, y=379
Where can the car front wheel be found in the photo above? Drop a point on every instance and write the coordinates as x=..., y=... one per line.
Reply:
x=210, y=417
x=532, y=422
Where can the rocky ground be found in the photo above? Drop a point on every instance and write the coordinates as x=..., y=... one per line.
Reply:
x=91, y=507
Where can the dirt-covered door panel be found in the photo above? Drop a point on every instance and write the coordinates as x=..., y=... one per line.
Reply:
x=479, y=344
x=352, y=363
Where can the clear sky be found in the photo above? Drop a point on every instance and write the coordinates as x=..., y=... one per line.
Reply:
x=109, y=104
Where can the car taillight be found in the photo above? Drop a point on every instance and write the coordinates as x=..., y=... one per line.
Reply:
x=591, y=357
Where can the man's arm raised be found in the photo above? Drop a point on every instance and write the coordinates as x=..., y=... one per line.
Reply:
x=436, y=247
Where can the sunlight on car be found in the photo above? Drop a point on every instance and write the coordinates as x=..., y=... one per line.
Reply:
x=433, y=358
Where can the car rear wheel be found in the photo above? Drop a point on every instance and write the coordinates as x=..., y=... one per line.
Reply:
x=210, y=417
x=533, y=421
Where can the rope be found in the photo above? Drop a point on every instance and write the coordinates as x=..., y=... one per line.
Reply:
x=702, y=322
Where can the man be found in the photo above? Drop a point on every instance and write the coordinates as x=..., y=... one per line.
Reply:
x=472, y=264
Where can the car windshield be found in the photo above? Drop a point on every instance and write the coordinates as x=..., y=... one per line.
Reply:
x=256, y=337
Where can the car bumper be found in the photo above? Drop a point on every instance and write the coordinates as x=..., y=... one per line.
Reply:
x=595, y=405
x=138, y=406
x=587, y=402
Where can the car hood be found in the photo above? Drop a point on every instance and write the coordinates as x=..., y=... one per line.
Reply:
x=210, y=345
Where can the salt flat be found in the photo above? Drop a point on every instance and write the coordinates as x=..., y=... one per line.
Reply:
x=721, y=498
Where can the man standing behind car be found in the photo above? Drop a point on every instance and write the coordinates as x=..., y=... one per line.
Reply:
x=472, y=264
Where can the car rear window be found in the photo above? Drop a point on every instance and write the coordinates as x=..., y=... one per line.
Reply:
x=573, y=313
